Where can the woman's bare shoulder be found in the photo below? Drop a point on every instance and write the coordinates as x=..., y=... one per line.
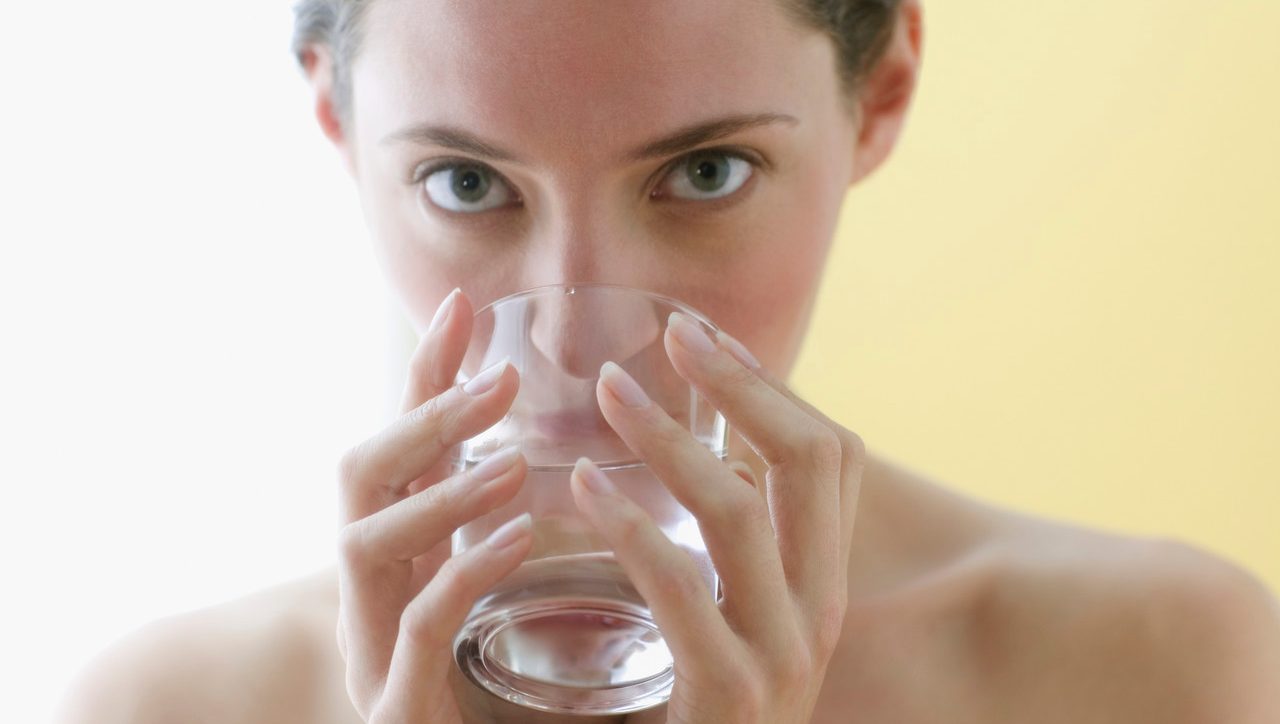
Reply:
x=269, y=656
x=1155, y=628
x=1151, y=629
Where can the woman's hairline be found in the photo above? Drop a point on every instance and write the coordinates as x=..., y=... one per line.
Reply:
x=344, y=36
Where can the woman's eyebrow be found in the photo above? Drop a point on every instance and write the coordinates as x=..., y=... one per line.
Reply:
x=427, y=134
x=681, y=139
x=686, y=138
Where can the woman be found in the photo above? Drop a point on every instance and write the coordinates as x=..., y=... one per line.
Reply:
x=701, y=150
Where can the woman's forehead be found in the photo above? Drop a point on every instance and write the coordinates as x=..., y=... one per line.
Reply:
x=589, y=76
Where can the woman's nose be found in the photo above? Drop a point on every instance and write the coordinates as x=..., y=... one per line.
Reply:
x=582, y=327
x=586, y=240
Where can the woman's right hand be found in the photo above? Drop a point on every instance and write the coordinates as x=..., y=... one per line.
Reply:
x=402, y=597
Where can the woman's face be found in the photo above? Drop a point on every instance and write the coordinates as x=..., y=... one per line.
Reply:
x=697, y=149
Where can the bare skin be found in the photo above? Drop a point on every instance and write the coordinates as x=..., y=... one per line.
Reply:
x=954, y=611
x=958, y=613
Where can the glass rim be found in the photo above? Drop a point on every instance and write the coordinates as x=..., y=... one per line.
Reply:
x=570, y=287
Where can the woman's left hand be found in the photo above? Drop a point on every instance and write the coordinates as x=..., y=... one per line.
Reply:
x=760, y=655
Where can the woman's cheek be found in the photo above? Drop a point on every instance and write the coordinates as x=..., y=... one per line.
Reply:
x=777, y=281
x=743, y=272
x=420, y=258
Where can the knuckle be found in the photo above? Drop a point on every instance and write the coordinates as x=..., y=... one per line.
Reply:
x=353, y=546
x=438, y=497
x=629, y=528
x=434, y=411
x=420, y=621
x=683, y=584
x=457, y=577
x=744, y=507
x=349, y=465
x=450, y=592
x=824, y=449
x=853, y=445
x=738, y=377
x=421, y=628
x=668, y=434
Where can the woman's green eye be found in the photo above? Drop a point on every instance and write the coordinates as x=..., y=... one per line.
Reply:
x=467, y=187
x=708, y=175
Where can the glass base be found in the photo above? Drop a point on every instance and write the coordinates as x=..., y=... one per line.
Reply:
x=567, y=635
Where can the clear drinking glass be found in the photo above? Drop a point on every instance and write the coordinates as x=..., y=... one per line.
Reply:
x=567, y=632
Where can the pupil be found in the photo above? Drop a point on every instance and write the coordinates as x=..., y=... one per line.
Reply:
x=470, y=184
x=707, y=170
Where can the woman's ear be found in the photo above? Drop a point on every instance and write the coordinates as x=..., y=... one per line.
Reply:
x=887, y=91
x=317, y=62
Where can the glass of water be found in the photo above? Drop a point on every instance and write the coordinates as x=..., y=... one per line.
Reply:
x=567, y=632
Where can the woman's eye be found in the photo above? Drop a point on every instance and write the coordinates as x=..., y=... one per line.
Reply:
x=707, y=175
x=467, y=187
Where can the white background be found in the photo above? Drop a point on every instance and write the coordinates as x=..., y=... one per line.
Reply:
x=194, y=326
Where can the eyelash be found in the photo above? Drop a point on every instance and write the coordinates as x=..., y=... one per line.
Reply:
x=758, y=162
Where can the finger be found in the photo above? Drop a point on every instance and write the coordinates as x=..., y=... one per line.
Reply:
x=407, y=529
x=666, y=577
x=434, y=366
x=341, y=635
x=377, y=472
x=435, y=362
x=803, y=482
x=417, y=681
x=733, y=519
x=827, y=610
x=853, y=450
x=744, y=471
x=387, y=557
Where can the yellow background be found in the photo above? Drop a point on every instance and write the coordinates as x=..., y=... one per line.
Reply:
x=1061, y=294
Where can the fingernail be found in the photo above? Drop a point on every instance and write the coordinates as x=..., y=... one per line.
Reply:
x=485, y=381
x=622, y=385
x=689, y=334
x=510, y=532
x=595, y=479
x=496, y=464
x=442, y=313
x=741, y=353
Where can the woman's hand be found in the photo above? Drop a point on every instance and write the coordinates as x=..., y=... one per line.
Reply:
x=402, y=597
x=760, y=655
